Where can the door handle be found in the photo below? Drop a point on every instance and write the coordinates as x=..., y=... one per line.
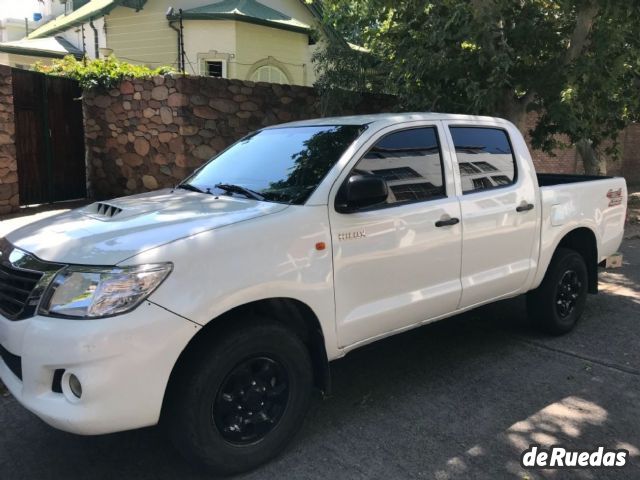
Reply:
x=448, y=222
x=525, y=207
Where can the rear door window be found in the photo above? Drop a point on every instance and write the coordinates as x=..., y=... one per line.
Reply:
x=485, y=158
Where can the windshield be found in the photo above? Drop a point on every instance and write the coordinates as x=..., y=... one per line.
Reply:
x=282, y=164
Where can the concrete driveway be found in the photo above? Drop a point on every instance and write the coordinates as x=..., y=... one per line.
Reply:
x=458, y=399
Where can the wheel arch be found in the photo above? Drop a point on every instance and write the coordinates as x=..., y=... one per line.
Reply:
x=292, y=313
x=583, y=241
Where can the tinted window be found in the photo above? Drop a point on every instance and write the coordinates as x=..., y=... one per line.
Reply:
x=410, y=163
x=484, y=157
x=281, y=164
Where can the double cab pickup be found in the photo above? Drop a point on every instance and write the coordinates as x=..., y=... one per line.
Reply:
x=216, y=307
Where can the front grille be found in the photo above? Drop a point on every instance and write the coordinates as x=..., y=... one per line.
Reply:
x=16, y=287
x=12, y=361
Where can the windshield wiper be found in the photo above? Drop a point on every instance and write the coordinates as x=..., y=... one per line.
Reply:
x=230, y=187
x=191, y=188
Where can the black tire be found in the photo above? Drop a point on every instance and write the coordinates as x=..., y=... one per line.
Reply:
x=197, y=415
x=557, y=304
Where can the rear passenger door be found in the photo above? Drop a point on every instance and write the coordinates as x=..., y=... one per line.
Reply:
x=397, y=263
x=500, y=221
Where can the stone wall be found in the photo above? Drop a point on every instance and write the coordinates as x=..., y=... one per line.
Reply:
x=8, y=167
x=149, y=134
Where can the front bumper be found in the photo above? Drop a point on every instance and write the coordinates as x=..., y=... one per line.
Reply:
x=123, y=363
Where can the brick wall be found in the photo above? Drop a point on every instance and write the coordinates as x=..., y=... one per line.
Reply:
x=630, y=167
x=149, y=134
x=567, y=160
x=8, y=166
x=564, y=160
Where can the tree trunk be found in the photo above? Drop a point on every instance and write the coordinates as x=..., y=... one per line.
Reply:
x=515, y=110
x=518, y=117
x=580, y=36
x=593, y=163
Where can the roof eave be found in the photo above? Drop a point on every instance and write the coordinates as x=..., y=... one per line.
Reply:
x=34, y=52
x=240, y=18
x=48, y=29
x=44, y=32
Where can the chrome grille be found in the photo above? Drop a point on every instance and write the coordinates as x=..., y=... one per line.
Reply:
x=16, y=287
x=23, y=280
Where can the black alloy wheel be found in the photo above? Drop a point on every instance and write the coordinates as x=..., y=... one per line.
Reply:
x=568, y=292
x=251, y=400
x=239, y=396
x=557, y=304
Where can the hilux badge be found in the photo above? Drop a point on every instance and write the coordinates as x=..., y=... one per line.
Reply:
x=352, y=235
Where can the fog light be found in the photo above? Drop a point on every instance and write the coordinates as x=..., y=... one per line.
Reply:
x=75, y=386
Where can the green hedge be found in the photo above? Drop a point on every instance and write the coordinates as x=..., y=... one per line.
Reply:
x=99, y=73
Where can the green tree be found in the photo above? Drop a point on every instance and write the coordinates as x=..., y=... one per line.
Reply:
x=574, y=62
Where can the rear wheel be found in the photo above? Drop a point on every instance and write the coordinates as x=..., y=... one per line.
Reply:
x=557, y=304
x=241, y=400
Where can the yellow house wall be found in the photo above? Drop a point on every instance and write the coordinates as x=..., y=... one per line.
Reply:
x=288, y=51
x=143, y=37
x=74, y=36
x=297, y=10
x=209, y=40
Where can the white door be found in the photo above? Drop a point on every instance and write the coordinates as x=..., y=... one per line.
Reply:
x=398, y=263
x=499, y=214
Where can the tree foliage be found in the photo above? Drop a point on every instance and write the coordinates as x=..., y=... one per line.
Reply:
x=99, y=73
x=574, y=62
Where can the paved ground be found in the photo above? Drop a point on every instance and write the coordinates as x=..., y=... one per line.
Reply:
x=458, y=399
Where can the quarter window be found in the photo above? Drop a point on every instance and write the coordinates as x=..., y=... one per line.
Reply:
x=411, y=164
x=480, y=151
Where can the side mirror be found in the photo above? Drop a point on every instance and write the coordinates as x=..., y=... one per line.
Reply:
x=361, y=191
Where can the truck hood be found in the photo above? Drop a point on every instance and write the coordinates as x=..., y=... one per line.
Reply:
x=106, y=233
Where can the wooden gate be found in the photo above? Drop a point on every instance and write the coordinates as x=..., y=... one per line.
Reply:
x=49, y=138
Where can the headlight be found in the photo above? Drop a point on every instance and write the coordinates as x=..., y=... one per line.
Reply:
x=90, y=292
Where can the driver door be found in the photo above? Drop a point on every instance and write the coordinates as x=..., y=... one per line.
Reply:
x=397, y=263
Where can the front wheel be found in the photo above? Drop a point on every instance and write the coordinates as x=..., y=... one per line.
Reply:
x=557, y=304
x=241, y=400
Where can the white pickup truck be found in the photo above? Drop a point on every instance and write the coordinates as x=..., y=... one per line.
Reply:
x=215, y=307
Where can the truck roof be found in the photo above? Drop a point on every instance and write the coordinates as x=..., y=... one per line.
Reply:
x=383, y=119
